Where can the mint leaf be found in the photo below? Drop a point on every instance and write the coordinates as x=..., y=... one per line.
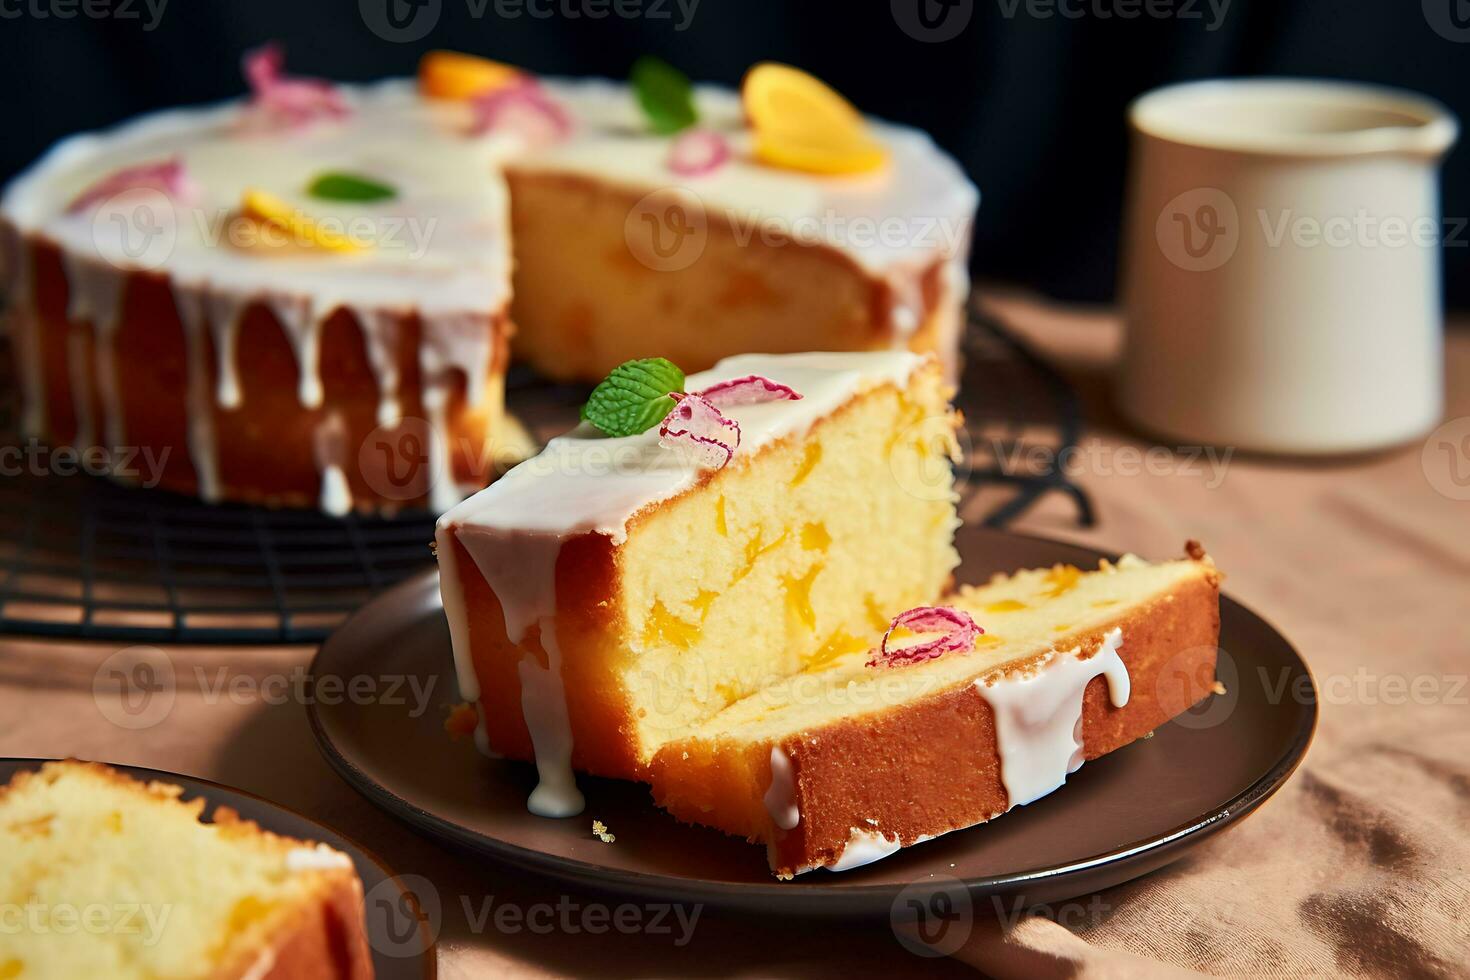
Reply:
x=665, y=94
x=634, y=397
x=335, y=186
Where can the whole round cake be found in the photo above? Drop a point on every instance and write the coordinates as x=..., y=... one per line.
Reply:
x=313, y=293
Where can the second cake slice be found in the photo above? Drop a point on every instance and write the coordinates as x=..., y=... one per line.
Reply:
x=863, y=754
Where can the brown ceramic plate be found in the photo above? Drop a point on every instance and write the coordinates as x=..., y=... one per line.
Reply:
x=401, y=947
x=1118, y=817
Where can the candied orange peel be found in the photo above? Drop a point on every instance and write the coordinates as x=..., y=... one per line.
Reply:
x=801, y=123
x=304, y=230
x=455, y=75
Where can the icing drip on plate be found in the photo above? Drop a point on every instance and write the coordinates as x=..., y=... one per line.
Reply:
x=864, y=847
x=780, y=798
x=1038, y=717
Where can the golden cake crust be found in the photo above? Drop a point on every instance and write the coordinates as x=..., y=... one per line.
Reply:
x=902, y=767
x=266, y=448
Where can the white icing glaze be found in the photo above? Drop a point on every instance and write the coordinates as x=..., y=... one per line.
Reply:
x=441, y=246
x=1038, y=716
x=544, y=706
x=330, y=446
x=864, y=847
x=587, y=483
x=94, y=295
x=451, y=592
x=780, y=798
x=203, y=450
x=336, y=495
x=922, y=198
x=482, y=734
x=318, y=858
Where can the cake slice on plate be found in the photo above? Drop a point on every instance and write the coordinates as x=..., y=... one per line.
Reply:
x=613, y=592
x=119, y=879
x=990, y=705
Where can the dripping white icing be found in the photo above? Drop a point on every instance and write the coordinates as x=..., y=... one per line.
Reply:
x=780, y=798
x=224, y=327
x=544, y=706
x=298, y=318
x=1038, y=716
x=380, y=338
x=203, y=451
x=482, y=734
x=336, y=496
x=94, y=295
x=452, y=593
x=330, y=438
x=585, y=483
x=864, y=847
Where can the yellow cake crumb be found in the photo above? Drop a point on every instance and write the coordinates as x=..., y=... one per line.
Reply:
x=600, y=831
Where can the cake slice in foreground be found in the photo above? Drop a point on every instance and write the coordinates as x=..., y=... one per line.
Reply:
x=114, y=878
x=848, y=762
x=609, y=594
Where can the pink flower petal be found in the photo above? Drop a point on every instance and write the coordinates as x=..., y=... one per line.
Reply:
x=279, y=101
x=697, y=152
x=749, y=390
x=524, y=107
x=697, y=427
x=957, y=630
x=166, y=176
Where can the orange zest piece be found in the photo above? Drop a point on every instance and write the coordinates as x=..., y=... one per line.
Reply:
x=462, y=720
x=452, y=75
x=801, y=123
x=271, y=210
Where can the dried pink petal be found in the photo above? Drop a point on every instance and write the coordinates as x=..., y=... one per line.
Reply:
x=697, y=152
x=280, y=101
x=749, y=390
x=166, y=176
x=524, y=107
x=957, y=630
x=697, y=427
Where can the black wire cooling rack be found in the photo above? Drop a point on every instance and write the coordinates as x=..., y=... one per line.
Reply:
x=83, y=557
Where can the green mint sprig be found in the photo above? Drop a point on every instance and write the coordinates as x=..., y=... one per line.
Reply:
x=634, y=397
x=665, y=93
x=338, y=186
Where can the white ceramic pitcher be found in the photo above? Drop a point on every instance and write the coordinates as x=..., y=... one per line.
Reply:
x=1281, y=265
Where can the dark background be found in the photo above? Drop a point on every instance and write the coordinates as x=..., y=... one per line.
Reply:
x=1029, y=94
